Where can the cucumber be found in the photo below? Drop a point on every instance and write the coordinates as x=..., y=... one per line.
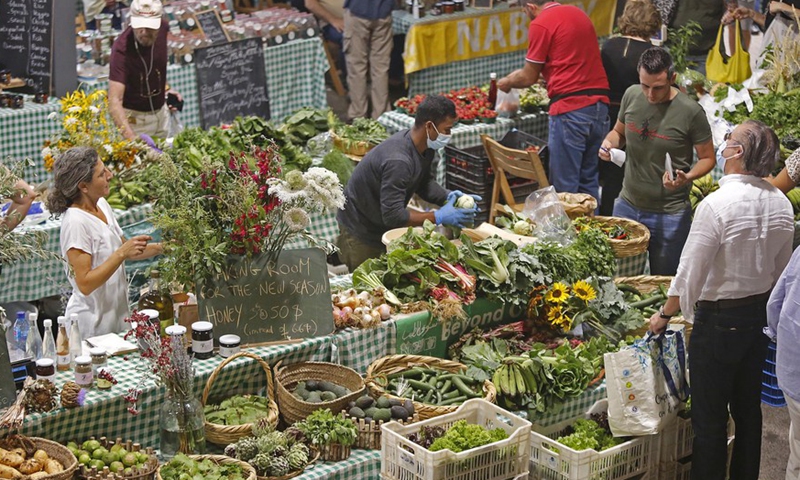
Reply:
x=463, y=389
x=649, y=301
x=453, y=401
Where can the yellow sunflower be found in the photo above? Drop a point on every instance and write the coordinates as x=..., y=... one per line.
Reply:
x=584, y=291
x=553, y=313
x=558, y=293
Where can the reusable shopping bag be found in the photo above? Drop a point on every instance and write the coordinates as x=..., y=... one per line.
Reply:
x=646, y=383
x=728, y=69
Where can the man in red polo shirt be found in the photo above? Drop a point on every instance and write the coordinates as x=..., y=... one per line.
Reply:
x=563, y=49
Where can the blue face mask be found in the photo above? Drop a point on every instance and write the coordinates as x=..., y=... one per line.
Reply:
x=441, y=140
x=721, y=158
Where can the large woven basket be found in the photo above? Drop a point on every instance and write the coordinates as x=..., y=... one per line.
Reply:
x=397, y=363
x=293, y=409
x=248, y=469
x=312, y=457
x=646, y=284
x=146, y=472
x=638, y=236
x=225, y=434
x=56, y=452
x=578, y=204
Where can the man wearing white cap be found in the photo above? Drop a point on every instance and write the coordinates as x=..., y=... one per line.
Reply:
x=138, y=74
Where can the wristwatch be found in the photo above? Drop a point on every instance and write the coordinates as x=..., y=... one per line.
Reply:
x=664, y=315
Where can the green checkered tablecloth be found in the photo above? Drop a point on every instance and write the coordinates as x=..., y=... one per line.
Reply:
x=456, y=74
x=22, y=133
x=632, y=266
x=574, y=407
x=35, y=279
x=360, y=465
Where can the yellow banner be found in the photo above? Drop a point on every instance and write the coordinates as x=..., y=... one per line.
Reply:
x=494, y=32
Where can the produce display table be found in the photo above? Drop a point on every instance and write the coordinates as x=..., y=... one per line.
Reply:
x=295, y=78
x=361, y=464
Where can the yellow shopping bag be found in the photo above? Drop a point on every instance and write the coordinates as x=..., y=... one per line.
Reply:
x=728, y=69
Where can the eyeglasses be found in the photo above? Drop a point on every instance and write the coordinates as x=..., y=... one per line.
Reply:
x=727, y=139
x=727, y=136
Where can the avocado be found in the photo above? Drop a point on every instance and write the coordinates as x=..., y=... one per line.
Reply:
x=370, y=412
x=356, y=412
x=327, y=396
x=312, y=385
x=313, y=397
x=326, y=386
x=365, y=402
x=297, y=396
x=399, y=413
x=351, y=404
x=383, y=402
x=339, y=391
x=395, y=402
x=409, y=406
x=382, y=414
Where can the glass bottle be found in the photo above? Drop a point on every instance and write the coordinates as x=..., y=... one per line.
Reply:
x=20, y=332
x=75, y=340
x=182, y=425
x=33, y=347
x=49, y=343
x=158, y=299
x=492, y=97
x=63, y=357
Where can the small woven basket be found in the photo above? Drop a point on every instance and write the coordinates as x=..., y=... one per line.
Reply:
x=312, y=457
x=145, y=472
x=578, y=204
x=293, y=409
x=369, y=433
x=638, y=236
x=397, y=363
x=248, y=469
x=646, y=284
x=57, y=452
x=225, y=434
x=335, y=452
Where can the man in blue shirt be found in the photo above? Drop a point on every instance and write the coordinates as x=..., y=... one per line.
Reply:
x=368, y=51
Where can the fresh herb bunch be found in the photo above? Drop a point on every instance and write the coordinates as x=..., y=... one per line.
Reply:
x=182, y=467
x=363, y=130
x=324, y=428
x=589, y=434
x=589, y=255
x=679, y=43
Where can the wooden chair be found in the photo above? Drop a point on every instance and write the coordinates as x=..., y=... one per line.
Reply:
x=508, y=161
x=336, y=76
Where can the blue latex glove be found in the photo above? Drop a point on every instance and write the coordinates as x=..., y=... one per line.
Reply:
x=450, y=215
x=454, y=195
x=149, y=141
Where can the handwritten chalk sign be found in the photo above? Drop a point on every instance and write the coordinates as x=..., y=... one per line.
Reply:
x=211, y=25
x=26, y=37
x=231, y=81
x=8, y=390
x=270, y=302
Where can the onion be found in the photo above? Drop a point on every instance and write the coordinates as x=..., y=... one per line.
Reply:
x=347, y=311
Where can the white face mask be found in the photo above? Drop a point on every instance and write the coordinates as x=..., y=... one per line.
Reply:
x=721, y=158
x=441, y=140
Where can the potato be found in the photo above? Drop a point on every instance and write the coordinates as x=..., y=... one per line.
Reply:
x=36, y=475
x=12, y=459
x=30, y=466
x=53, y=466
x=21, y=452
x=8, y=472
x=41, y=455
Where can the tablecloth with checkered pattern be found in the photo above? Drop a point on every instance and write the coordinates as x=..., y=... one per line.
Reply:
x=360, y=465
x=572, y=408
x=632, y=266
x=22, y=133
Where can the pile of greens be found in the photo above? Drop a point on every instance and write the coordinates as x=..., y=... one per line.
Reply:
x=781, y=111
x=194, y=146
x=362, y=130
x=338, y=163
x=461, y=436
x=590, y=255
x=181, y=467
x=237, y=410
x=589, y=434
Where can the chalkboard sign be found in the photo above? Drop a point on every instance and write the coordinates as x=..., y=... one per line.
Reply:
x=270, y=302
x=231, y=81
x=26, y=38
x=212, y=28
x=8, y=390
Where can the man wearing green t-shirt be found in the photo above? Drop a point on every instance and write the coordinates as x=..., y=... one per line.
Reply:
x=656, y=119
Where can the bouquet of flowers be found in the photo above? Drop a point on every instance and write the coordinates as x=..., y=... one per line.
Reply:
x=241, y=206
x=558, y=305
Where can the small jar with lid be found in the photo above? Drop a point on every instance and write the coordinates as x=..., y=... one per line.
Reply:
x=202, y=340
x=229, y=345
x=46, y=370
x=459, y=5
x=99, y=359
x=84, y=376
x=178, y=334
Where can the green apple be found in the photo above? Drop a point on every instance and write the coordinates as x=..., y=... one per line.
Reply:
x=116, y=467
x=98, y=454
x=85, y=458
x=98, y=464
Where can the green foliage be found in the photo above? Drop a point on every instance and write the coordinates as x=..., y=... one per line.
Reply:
x=590, y=255
x=679, y=43
x=324, y=428
x=587, y=434
x=237, y=410
x=464, y=436
x=181, y=467
x=363, y=130
x=338, y=163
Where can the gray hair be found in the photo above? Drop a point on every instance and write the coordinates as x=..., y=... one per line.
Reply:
x=72, y=167
x=761, y=148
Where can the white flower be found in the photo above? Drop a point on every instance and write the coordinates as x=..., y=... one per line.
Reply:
x=70, y=121
x=295, y=180
x=324, y=188
x=74, y=109
x=47, y=152
x=108, y=149
x=52, y=115
x=94, y=109
x=296, y=219
x=285, y=194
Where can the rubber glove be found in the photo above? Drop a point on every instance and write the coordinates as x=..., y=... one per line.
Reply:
x=149, y=141
x=450, y=215
x=454, y=195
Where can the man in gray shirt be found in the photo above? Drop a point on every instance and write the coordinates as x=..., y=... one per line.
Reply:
x=383, y=183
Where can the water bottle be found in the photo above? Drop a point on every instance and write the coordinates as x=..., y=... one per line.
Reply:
x=49, y=343
x=33, y=346
x=20, y=332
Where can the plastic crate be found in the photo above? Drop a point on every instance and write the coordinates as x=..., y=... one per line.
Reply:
x=772, y=396
x=520, y=187
x=682, y=469
x=402, y=459
x=769, y=377
x=627, y=460
x=675, y=442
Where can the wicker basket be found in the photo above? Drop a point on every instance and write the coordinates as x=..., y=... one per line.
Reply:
x=292, y=409
x=397, y=363
x=225, y=434
x=578, y=204
x=347, y=147
x=56, y=452
x=248, y=469
x=335, y=452
x=147, y=472
x=646, y=284
x=369, y=433
x=638, y=236
x=313, y=455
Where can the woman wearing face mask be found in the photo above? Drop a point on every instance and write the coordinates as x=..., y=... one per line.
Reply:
x=739, y=243
x=383, y=183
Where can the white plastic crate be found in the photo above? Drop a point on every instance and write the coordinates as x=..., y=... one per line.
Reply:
x=682, y=469
x=631, y=459
x=675, y=442
x=402, y=459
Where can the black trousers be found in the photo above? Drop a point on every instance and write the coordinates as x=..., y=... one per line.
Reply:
x=727, y=351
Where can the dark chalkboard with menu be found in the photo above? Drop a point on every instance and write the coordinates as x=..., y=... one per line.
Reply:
x=270, y=302
x=231, y=81
x=26, y=38
x=212, y=28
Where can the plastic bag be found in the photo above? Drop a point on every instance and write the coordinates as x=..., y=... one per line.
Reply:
x=174, y=125
x=547, y=213
x=319, y=145
x=507, y=104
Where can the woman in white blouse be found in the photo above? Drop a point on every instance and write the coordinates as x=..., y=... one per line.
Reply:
x=93, y=243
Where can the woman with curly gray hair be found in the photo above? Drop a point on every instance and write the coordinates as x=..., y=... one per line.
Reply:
x=93, y=243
